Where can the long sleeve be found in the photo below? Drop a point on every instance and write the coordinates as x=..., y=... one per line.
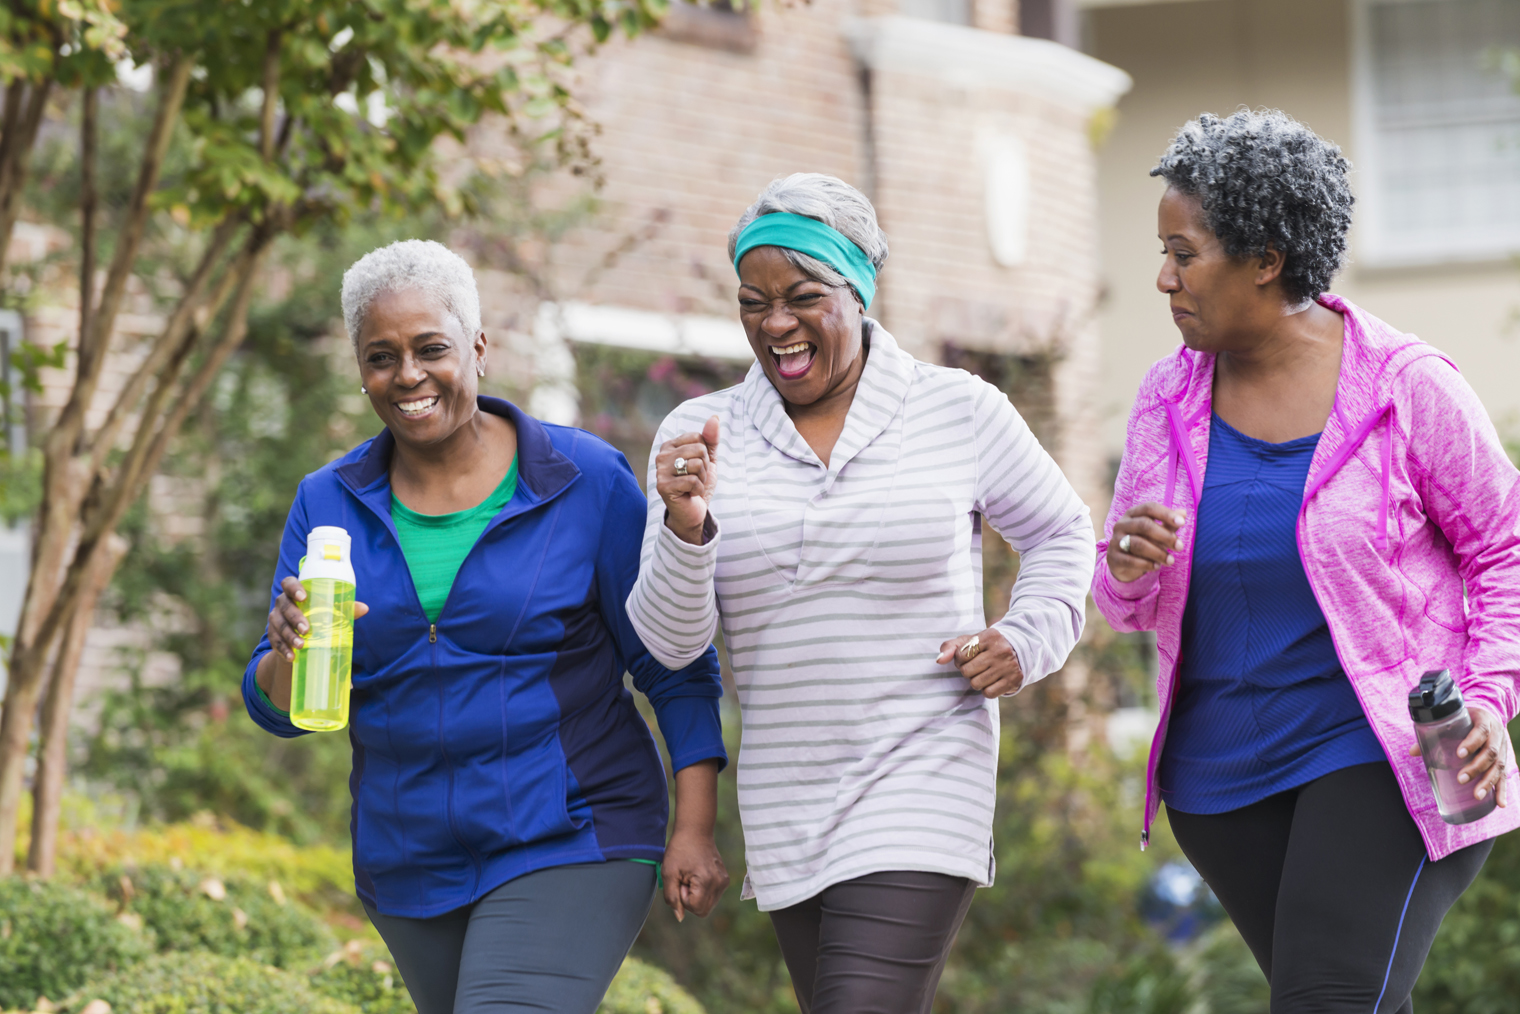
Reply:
x=673, y=604
x=1027, y=500
x=292, y=548
x=1127, y=606
x=1471, y=490
x=685, y=698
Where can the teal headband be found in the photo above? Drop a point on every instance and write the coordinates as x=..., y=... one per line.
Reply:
x=812, y=237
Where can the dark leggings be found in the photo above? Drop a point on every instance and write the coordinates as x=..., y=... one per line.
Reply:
x=872, y=945
x=548, y=941
x=1330, y=886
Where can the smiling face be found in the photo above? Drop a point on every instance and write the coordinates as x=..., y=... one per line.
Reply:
x=807, y=335
x=1218, y=301
x=419, y=367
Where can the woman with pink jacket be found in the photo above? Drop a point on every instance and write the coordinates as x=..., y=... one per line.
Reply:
x=1313, y=509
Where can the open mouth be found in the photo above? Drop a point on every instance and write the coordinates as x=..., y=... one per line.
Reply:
x=793, y=361
x=417, y=407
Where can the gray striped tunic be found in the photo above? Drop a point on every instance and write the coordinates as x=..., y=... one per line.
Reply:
x=836, y=586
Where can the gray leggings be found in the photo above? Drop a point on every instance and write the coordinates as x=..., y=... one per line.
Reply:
x=548, y=941
x=873, y=945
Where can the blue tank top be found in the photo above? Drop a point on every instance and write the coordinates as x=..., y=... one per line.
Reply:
x=1262, y=704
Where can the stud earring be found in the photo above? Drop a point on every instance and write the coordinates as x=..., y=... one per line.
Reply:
x=363, y=389
x=480, y=369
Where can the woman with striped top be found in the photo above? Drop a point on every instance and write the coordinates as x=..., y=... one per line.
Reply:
x=827, y=511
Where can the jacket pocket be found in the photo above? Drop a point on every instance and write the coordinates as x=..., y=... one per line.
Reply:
x=519, y=798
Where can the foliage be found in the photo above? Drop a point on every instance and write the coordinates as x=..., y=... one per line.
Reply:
x=625, y=394
x=235, y=916
x=201, y=983
x=1227, y=974
x=364, y=976
x=20, y=485
x=319, y=875
x=643, y=989
x=1474, y=965
x=53, y=937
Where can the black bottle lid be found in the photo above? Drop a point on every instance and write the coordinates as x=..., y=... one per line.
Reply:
x=1436, y=697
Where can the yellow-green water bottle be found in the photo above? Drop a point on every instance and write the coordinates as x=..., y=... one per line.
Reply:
x=324, y=663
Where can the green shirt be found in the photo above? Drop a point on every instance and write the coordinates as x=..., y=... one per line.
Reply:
x=435, y=545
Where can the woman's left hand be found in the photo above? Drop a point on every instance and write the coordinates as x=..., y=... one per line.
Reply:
x=695, y=877
x=1488, y=746
x=990, y=664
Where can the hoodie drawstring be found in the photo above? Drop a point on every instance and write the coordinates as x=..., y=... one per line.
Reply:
x=1348, y=448
x=1179, y=447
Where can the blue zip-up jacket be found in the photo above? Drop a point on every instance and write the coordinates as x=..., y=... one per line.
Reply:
x=501, y=739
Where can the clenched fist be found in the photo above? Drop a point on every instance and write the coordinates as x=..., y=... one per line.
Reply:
x=688, y=490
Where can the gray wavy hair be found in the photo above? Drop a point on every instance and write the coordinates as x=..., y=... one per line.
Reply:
x=829, y=200
x=411, y=265
x=1264, y=179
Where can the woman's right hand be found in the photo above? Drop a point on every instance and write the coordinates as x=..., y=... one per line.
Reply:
x=287, y=622
x=1152, y=536
x=286, y=625
x=687, y=496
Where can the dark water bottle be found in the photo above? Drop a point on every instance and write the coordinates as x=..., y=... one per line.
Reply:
x=1441, y=722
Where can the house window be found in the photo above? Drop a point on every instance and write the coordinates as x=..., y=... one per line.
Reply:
x=1438, y=130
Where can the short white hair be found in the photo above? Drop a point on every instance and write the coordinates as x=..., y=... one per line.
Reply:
x=411, y=265
x=827, y=199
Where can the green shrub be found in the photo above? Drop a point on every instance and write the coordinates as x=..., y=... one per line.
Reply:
x=53, y=938
x=1228, y=976
x=189, y=911
x=645, y=989
x=366, y=977
x=201, y=983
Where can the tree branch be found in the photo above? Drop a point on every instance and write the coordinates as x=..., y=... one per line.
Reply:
x=21, y=135
x=107, y=506
x=68, y=430
x=271, y=94
x=193, y=304
x=88, y=132
x=52, y=752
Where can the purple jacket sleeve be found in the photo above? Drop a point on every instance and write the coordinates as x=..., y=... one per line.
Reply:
x=1132, y=606
x=1471, y=490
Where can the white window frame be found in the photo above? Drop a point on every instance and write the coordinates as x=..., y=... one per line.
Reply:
x=1374, y=247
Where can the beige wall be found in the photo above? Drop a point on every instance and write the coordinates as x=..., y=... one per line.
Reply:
x=1214, y=55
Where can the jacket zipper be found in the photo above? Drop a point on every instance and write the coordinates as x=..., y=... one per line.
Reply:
x=432, y=633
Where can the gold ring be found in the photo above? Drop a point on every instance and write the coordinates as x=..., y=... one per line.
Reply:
x=972, y=648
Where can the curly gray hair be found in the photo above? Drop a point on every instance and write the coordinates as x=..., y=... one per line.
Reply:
x=411, y=265
x=829, y=200
x=1266, y=180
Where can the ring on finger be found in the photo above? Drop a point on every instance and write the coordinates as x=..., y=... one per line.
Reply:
x=972, y=648
x=1124, y=543
x=679, y=466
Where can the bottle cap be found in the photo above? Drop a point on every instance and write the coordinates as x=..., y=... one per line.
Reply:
x=328, y=542
x=1436, y=697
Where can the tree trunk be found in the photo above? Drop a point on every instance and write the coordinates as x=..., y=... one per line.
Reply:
x=52, y=754
x=53, y=587
x=160, y=422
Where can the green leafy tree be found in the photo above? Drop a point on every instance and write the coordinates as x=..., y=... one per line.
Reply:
x=266, y=119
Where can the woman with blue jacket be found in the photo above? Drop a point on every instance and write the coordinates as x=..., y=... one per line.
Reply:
x=509, y=802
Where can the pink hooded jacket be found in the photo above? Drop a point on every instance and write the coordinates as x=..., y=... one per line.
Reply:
x=1410, y=501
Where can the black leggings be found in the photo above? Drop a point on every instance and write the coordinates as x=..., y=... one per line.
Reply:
x=550, y=940
x=1330, y=886
x=872, y=945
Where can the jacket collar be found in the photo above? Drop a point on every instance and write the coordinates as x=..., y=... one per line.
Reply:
x=878, y=399
x=541, y=469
